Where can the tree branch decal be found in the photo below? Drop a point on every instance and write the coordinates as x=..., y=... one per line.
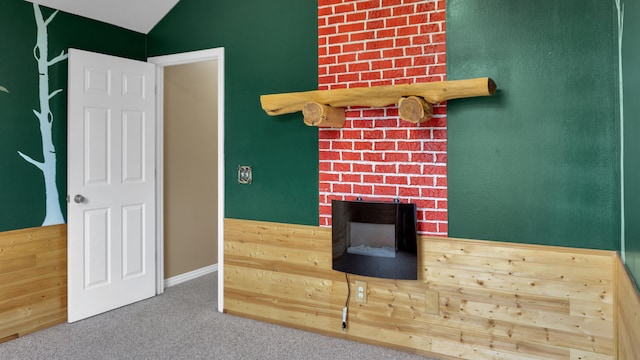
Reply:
x=45, y=118
x=30, y=160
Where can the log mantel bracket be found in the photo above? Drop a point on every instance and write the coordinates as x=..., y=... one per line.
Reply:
x=325, y=108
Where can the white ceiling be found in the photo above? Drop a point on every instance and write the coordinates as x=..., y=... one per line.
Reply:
x=136, y=15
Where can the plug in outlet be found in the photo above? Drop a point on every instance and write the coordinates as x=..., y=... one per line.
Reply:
x=361, y=292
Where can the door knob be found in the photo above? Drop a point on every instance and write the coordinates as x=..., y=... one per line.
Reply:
x=79, y=199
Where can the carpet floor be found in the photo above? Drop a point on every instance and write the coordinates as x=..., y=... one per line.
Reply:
x=183, y=323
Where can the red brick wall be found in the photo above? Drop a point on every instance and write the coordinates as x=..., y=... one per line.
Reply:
x=376, y=155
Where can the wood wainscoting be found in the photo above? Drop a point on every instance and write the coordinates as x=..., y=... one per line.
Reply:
x=475, y=299
x=494, y=300
x=33, y=280
x=627, y=315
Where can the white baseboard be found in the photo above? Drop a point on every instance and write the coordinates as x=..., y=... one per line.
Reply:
x=190, y=275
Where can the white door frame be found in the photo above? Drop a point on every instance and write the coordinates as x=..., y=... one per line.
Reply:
x=178, y=59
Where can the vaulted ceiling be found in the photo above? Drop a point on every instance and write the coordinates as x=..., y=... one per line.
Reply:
x=136, y=15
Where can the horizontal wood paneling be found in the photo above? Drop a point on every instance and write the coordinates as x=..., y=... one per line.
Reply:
x=628, y=315
x=496, y=300
x=33, y=280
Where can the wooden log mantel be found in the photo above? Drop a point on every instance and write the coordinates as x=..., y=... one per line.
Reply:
x=323, y=115
x=414, y=109
x=378, y=96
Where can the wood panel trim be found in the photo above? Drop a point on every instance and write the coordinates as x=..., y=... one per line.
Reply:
x=33, y=280
x=277, y=251
x=496, y=299
x=627, y=315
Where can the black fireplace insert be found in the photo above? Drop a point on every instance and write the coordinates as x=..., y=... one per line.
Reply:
x=376, y=239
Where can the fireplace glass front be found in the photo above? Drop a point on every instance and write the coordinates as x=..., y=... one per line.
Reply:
x=376, y=239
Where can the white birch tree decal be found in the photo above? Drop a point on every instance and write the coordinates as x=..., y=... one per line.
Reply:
x=47, y=166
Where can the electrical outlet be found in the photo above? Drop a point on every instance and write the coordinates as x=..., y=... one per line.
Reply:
x=245, y=175
x=361, y=291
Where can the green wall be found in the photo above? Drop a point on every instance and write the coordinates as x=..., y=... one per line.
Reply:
x=21, y=184
x=539, y=161
x=536, y=163
x=631, y=74
x=270, y=47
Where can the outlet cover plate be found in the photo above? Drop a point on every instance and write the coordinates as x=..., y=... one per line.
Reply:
x=361, y=292
x=245, y=174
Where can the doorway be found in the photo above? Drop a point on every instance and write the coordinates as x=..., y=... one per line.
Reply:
x=190, y=170
x=191, y=177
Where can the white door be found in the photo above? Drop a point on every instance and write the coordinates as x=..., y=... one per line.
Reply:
x=111, y=183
